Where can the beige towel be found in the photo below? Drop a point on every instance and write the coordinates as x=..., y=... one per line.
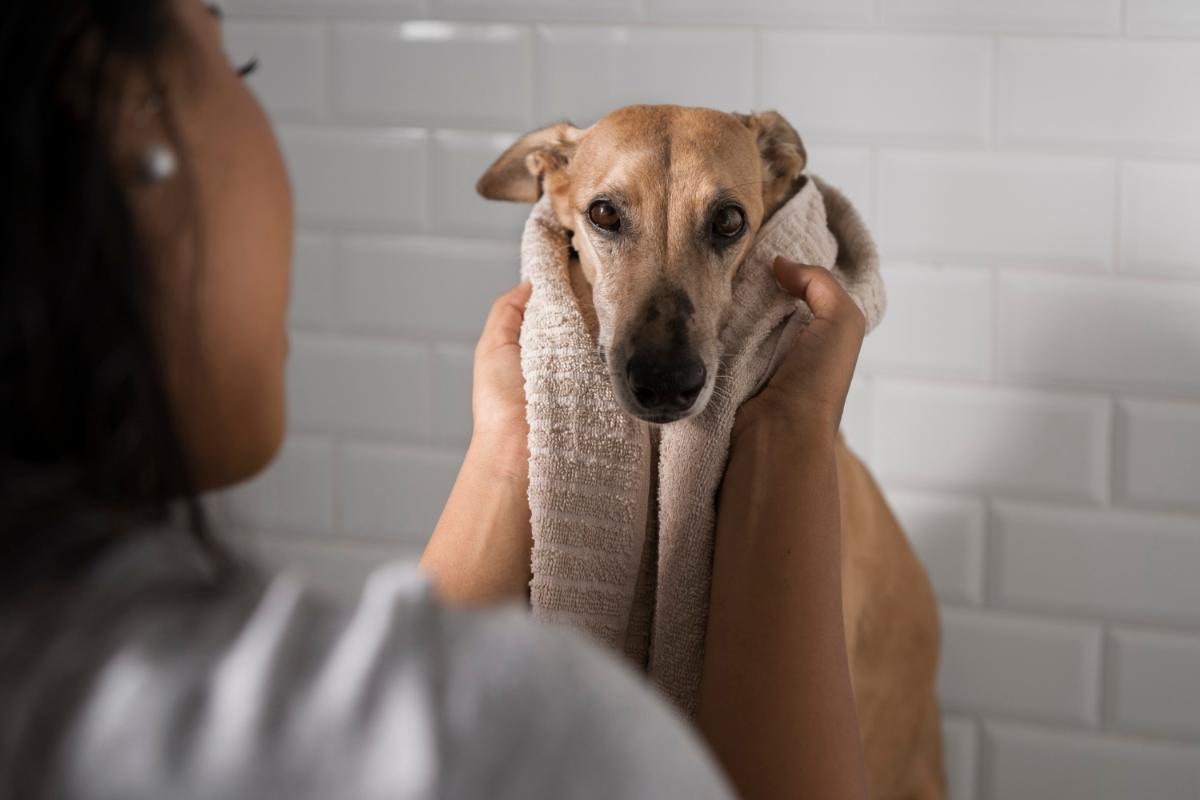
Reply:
x=623, y=516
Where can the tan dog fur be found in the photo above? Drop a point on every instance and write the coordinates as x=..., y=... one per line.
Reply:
x=662, y=285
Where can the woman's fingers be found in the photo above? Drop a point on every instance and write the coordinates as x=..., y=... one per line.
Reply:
x=813, y=378
x=503, y=326
x=836, y=317
x=817, y=287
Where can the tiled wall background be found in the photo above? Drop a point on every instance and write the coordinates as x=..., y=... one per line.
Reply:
x=1032, y=403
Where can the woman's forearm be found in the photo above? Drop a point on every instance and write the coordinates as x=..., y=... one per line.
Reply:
x=776, y=703
x=479, y=551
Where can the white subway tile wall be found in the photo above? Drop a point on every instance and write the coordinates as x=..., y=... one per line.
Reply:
x=1031, y=403
x=1117, y=333
x=996, y=208
x=762, y=12
x=1020, y=666
x=1159, y=234
x=1001, y=16
x=960, y=744
x=924, y=304
x=435, y=73
x=948, y=535
x=1160, y=457
x=1025, y=762
x=991, y=440
x=1151, y=683
x=1163, y=17
x=1116, y=95
x=458, y=159
x=930, y=88
x=583, y=72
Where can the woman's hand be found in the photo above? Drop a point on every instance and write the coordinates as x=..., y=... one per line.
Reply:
x=480, y=551
x=810, y=386
x=498, y=397
x=776, y=703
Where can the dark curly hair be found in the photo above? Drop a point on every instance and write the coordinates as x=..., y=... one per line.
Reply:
x=86, y=426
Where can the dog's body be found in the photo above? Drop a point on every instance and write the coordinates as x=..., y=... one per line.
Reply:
x=664, y=203
x=892, y=639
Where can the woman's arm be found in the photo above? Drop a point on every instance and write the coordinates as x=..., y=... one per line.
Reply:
x=776, y=703
x=480, y=551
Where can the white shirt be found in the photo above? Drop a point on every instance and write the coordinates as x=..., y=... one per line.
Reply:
x=151, y=681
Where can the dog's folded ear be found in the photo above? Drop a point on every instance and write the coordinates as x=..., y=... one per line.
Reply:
x=783, y=154
x=520, y=172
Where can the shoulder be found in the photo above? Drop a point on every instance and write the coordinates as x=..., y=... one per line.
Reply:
x=538, y=711
x=270, y=688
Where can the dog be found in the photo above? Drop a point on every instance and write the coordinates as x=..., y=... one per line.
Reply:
x=663, y=204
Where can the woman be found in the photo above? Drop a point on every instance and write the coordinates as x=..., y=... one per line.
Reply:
x=146, y=247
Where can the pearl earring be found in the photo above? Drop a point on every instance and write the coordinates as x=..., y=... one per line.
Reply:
x=158, y=164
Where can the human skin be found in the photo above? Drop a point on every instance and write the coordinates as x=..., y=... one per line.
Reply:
x=776, y=704
x=775, y=700
x=219, y=238
x=480, y=551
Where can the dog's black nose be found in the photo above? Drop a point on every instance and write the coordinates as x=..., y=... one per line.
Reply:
x=666, y=385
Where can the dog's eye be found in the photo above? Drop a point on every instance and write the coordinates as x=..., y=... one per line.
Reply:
x=604, y=215
x=729, y=222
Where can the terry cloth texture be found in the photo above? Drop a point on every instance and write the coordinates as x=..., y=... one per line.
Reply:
x=623, y=512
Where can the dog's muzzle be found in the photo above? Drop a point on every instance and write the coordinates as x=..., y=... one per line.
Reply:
x=666, y=387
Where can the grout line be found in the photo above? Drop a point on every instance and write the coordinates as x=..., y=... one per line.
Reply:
x=532, y=48
x=1117, y=214
x=1079, y=389
x=338, y=486
x=993, y=95
x=1106, y=681
x=873, y=202
x=875, y=182
x=427, y=396
x=1108, y=478
x=1057, y=615
x=358, y=123
x=981, y=780
x=756, y=71
x=997, y=311
x=1116, y=448
x=814, y=23
x=329, y=74
x=991, y=555
x=1091, y=274
x=1078, y=730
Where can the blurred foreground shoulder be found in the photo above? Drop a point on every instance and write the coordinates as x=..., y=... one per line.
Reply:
x=268, y=689
x=536, y=711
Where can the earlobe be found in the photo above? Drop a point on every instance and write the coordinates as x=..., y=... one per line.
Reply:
x=783, y=154
x=519, y=173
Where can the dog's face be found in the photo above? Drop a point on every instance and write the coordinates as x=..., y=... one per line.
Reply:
x=663, y=203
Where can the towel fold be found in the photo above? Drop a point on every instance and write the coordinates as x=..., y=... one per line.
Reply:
x=623, y=512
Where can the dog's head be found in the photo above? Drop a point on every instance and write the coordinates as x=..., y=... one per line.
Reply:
x=663, y=203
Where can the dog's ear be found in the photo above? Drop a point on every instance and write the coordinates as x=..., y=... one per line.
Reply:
x=521, y=170
x=782, y=152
